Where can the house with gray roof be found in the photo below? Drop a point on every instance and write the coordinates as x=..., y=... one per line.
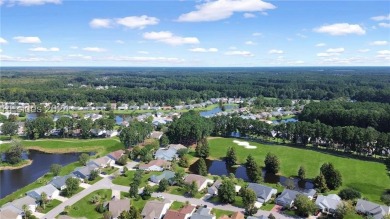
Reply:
x=84, y=172
x=49, y=189
x=165, y=154
x=155, y=209
x=117, y=206
x=286, y=199
x=202, y=213
x=60, y=181
x=328, y=204
x=259, y=217
x=10, y=214
x=372, y=209
x=166, y=174
x=264, y=193
x=102, y=162
x=213, y=190
x=30, y=202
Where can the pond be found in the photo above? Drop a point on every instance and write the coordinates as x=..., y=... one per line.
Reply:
x=213, y=112
x=218, y=167
x=12, y=180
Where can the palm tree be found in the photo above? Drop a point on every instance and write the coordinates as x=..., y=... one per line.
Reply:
x=44, y=200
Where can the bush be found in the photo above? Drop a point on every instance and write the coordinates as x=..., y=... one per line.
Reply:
x=349, y=194
x=386, y=197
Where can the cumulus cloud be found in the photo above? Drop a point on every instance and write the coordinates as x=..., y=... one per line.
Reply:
x=275, y=51
x=331, y=52
x=335, y=50
x=6, y=58
x=132, y=22
x=383, y=24
x=199, y=49
x=79, y=56
x=383, y=54
x=379, y=43
x=341, y=29
x=249, y=15
x=32, y=2
x=43, y=49
x=250, y=43
x=381, y=18
x=222, y=9
x=239, y=53
x=169, y=38
x=3, y=41
x=94, y=49
x=320, y=44
x=24, y=39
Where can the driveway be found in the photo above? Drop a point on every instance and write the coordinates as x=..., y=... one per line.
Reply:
x=61, y=198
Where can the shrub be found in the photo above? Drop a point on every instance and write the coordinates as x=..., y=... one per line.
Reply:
x=349, y=194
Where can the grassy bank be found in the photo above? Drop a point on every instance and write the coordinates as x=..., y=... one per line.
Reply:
x=7, y=166
x=368, y=177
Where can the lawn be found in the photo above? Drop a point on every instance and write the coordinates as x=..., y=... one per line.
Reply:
x=52, y=204
x=95, y=180
x=126, y=180
x=219, y=213
x=176, y=190
x=84, y=208
x=237, y=202
x=177, y=205
x=368, y=177
x=101, y=146
x=267, y=207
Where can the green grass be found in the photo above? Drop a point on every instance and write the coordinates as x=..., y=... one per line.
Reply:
x=68, y=196
x=52, y=204
x=95, y=180
x=237, y=202
x=84, y=208
x=176, y=190
x=267, y=207
x=177, y=205
x=353, y=216
x=109, y=170
x=368, y=177
x=219, y=213
x=126, y=180
x=101, y=146
x=140, y=203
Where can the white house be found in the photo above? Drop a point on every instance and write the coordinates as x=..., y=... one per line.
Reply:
x=49, y=189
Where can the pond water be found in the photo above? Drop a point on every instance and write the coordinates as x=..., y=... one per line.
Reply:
x=218, y=167
x=12, y=180
x=285, y=121
x=216, y=110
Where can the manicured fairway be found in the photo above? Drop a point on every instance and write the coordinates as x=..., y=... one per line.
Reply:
x=369, y=177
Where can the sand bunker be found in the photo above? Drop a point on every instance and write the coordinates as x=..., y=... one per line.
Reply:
x=244, y=144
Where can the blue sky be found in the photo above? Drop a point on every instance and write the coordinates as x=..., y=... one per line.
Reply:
x=194, y=33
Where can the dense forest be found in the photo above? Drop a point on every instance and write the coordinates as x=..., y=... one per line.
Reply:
x=169, y=85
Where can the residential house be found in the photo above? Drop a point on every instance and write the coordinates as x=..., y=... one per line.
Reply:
x=171, y=214
x=188, y=210
x=167, y=174
x=84, y=172
x=264, y=193
x=117, y=206
x=372, y=209
x=165, y=154
x=213, y=190
x=102, y=162
x=60, y=181
x=155, y=209
x=113, y=106
x=133, y=107
x=328, y=204
x=123, y=107
x=310, y=193
x=18, y=204
x=200, y=181
x=286, y=199
x=176, y=146
x=202, y=213
x=10, y=214
x=155, y=165
x=49, y=189
x=260, y=217
x=115, y=155
x=156, y=135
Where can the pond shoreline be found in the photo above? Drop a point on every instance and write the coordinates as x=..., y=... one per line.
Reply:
x=62, y=150
x=24, y=164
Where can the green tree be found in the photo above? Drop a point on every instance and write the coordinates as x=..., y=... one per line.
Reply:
x=227, y=191
x=147, y=191
x=93, y=175
x=252, y=169
x=65, y=124
x=184, y=161
x=349, y=194
x=179, y=177
x=164, y=140
x=302, y=173
x=9, y=128
x=163, y=185
x=272, y=163
x=12, y=118
x=38, y=127
x=85, y=126
x=72, y=185
x=83, y=159
x=14, y=154
x=55, y=169
x=44, y=200
x=304, y=206
x=332, y=176
x=122, y=160
x=343, y=209
x=271, y=216
x=320, y=183
x=202, y=167
x=202, y=148
x=249, y=198
x=133, y=213
x=231, y=156
x=133, y=192
x=192, y=189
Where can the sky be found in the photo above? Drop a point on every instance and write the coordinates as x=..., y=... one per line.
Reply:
x=184, y=33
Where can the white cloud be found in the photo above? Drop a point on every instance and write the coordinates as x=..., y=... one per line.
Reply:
x=145, y=59
x=3, y=41
x=101, y=23
x=132, y=22
x=80, y=56
x=340, y=29
x=1, y=50
x=33, y=2
x=335, y=50
x=6, y=58
x=379, y=43
x=326, y=54
x=140, y=22
x=249, y=15
x=23, y=39
x=169, y=38
x=320, y=44
x=250, y=43
x=198, y=49
x=257, y=34
x=143, y=52
x=94, y=49
x=383, y=54
x=222, y=9
x=119, y=41
x=275, y=51
x=239, y=53
x=43, y=49
x=381, y=18
x=383, y=24
x=74, y=47
x=232, y=47
x=363, y=50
